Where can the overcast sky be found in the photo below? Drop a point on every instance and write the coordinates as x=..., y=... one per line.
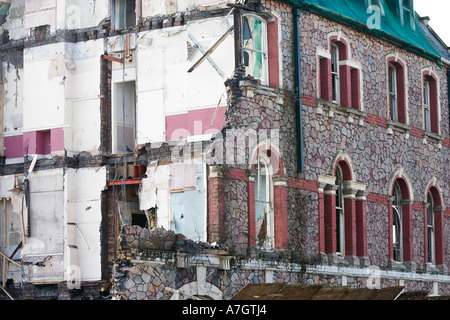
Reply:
x=439, y=13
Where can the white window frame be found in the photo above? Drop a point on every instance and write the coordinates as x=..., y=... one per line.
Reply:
x=430, y=230
x=340, y=217
x=397, y=232
x=393, y=97
x=264, y=167
x=264, y=50
x=427, y=104
x=335, y=73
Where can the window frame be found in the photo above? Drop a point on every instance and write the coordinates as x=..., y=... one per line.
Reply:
x=335, y=76
x=431, y=103
x=119, y=14
x=264, y=167
x=397, y=232
x=264, y=51
x=340, y=212
x=393, y=92
x=427, y=104
x=431, y=255
x=409, y=8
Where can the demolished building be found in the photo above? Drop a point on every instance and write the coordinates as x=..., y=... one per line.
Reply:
x=184, y=149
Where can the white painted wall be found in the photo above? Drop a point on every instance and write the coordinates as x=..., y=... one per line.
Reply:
x=13, y=86
x=82, y=90
x=64, y=14
x=46, y=220
x=44, y=71
x=14, y=21
x=82, y=190
x=164, y=87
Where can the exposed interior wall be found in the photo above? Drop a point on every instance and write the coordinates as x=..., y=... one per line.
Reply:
x=83, y=189
x=64, y=14
x=14, y=21
x=12, y=225
x=178, y=103
x=165, y=7
x=174, y=197
x=82, y=96
x=13, y=109
x=43, y=252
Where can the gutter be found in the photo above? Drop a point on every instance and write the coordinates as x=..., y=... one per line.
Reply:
x=298, y=88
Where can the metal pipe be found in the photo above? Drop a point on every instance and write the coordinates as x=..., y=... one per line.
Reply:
x=298, y=88
x=448, y=93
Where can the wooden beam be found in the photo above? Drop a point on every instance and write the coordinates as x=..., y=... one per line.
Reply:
x=121, y=182
x=9, y=259
x=211, y=50
x=7, y=293
x=111, y=58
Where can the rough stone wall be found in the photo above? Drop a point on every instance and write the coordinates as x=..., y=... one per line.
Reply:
x=235, y=216
x=375, y=154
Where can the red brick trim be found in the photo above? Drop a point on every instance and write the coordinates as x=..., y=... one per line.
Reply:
x=272, y=52
x=216, y=209
x=303, y=184
x=281, y=217
x=237, y=174
x=377, y=198
x=377, y=120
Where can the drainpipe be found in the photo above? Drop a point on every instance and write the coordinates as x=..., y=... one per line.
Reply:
x=298, y=88
x=448, y=93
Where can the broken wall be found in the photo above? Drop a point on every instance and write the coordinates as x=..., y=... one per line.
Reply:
x=13, y=23
x=12, y=87
x=83, y=214
x=166, y=7
x=178, y=193
x=12, y=224
x=172, y=103
x=82, y=96
x=44, y=104
x=43, y=252
x=65, y=14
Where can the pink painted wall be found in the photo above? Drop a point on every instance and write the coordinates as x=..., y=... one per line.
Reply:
x=44, y=141
x=13, y=146
x=194, y=122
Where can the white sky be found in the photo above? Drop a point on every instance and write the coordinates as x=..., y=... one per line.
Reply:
x=439, y=13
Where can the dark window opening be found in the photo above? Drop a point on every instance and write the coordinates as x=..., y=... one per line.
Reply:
x=123, y=13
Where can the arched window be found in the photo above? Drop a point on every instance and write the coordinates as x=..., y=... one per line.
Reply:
x=259, y=43
x=335, y=72
x=434, y=228
x=397, y=223
x=430, y=104
x=339, y=76
x=393, y=92
x=430, y=229
x=401, y=201
x=264, y=208
x=340, y=218
x=396, y=90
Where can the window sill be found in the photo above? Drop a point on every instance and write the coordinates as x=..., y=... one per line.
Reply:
x=397, y=126
x=351, y=114
x=402, y=265
x=433, y=137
